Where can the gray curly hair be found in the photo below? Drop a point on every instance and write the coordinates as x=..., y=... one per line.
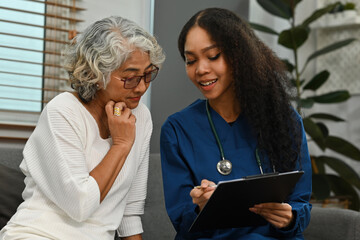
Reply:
x=102, y=48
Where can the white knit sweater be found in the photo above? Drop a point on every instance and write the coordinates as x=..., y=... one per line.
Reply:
x=61, y=199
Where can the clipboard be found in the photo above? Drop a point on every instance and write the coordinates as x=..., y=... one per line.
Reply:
x=228, y=206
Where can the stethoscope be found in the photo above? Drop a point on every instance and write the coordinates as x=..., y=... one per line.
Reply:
x=224, y=166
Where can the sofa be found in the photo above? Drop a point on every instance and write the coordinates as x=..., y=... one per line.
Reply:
x=326, y=223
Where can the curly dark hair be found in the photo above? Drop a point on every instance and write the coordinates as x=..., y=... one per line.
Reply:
x=261, y=84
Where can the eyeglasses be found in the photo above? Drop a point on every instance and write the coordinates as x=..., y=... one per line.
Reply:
x=132, y=82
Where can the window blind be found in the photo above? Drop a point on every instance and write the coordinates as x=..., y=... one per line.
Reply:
x=32, y=35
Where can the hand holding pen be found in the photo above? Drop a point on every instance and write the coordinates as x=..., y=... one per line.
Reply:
x=201, y=194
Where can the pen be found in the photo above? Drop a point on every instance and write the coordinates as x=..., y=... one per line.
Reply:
x=212, y=185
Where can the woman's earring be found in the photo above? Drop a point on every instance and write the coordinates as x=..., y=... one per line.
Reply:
x=97, y=86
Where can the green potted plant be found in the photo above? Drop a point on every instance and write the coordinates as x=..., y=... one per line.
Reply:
x=325, y=184
x=341, y=14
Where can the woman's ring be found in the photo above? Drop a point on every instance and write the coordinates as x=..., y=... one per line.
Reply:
x=117, y=111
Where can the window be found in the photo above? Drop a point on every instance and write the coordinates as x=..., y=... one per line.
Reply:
x=32, y=35
x=21, y=55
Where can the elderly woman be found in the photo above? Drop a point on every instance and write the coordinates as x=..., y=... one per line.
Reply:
x=86, y=163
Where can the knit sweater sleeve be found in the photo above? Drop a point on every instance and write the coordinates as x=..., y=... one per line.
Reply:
x=131, y=222
x=54, y=157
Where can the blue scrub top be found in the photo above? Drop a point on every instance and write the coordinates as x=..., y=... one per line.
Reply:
x=189, y=153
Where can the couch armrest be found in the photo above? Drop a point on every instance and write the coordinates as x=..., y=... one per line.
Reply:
x=333, y=224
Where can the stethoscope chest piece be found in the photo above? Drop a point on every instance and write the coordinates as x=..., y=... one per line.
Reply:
x=224, y=167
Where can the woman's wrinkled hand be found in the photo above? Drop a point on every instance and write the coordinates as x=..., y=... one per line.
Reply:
x=121, y=126
x=201, y=194
x=280, y=215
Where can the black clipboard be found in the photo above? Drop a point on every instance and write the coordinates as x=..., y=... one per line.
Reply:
x=228, y=206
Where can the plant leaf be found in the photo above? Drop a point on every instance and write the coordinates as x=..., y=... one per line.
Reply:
x=319, y=13
x=314, y=132
x=338, y=8
x=320, y=186
x=342, y=168
x=291, y=2
x=289, y=66
x=263, y=28
x=293, y=38
x=318, y=80
x=349, y=6
x=306, y=102
x=326, y=116
x=276, y=7
x=319, y=165
x=342, y=188
x=343, y=147
x=333, y=97
x=330, y=48
x=323, y=128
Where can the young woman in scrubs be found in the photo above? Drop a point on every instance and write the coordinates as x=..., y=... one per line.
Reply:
x=245, y=125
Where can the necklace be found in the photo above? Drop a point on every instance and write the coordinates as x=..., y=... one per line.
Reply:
x=224, y=166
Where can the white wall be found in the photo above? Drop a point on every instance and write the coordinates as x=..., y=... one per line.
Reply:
x=349, y=110
x=139, y=11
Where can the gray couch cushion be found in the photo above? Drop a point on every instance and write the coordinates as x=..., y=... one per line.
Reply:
x=333, y=224
x=11, y=186
x=11, y=182
x=11, y=157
